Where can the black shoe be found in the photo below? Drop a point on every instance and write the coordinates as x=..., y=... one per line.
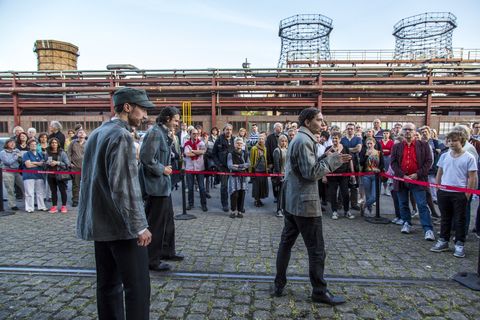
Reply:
x=260, y=203
x=15, y=208
x=189, y=207
x=328, y=298
x=324, y=203
x=74, y=204
x=204, y=208
x=225, y=209
x=239, y=215
x=162, y=266
x=278, y=291
x=233, y=215
x=356, y=207
x=208, y=196
x=175, y=257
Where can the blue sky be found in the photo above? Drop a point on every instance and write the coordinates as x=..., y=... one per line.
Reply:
x=158, y=34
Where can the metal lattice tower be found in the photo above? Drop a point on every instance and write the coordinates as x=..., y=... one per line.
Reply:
x=424, y=36
x=304, y=37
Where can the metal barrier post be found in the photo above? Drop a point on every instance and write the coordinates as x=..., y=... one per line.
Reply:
x=469, y=279
x=184, y=215
x=377, y=219
x=3, y=212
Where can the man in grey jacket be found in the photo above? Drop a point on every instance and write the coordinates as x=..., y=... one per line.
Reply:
x=111, y=211
x=155, y=171
x=302, y=210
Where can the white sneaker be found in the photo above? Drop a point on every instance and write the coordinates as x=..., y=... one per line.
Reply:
x=395, y=220
x=388, y=193
x=349, y=215
x=429, y=235
x=459, y=250
x=400, y=222
x=334, y=215
x=406, y=228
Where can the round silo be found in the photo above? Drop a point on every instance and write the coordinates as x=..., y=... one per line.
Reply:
x=56, y=55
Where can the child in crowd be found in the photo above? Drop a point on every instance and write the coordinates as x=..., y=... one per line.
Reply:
x=455, y=168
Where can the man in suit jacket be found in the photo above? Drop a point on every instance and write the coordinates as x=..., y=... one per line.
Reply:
x=111, y=211
x=302, y=210
x=155, y=171
x=412, y=159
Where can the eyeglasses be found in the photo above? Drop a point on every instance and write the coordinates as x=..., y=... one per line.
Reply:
x=408, y=129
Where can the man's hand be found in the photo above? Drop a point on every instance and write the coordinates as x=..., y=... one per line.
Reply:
x=413, y=176
x=167, y=171
x=344, y=158
x=144, y=239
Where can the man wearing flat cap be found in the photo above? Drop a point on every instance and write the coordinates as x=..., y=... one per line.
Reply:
x=111, y=211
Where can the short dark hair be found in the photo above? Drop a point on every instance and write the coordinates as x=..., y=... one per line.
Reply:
x=167, y=114
x=307, y=114
x=8, y=141
x=325, y=134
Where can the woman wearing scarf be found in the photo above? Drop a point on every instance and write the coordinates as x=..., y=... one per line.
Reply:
x=259, y=164
x=194, y=150
x=237, y=161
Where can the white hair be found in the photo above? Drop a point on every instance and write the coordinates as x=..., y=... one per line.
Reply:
x=56, y=124
x=32, y=130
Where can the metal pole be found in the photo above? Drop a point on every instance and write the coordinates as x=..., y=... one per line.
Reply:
x=184, y=215
x=377, y=219
x=469, y=279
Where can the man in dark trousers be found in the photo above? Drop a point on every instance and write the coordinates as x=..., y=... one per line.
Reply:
x=222, y=147
x=155, y=171
x=302, y=210
x=111, y=211
x=271, y=144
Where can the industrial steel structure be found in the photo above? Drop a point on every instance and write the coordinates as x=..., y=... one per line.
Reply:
x=425, y=36
x=423, y=93
x=304, y=37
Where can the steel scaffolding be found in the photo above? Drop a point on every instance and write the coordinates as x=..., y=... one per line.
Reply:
x=304, y=37
x=424, y=36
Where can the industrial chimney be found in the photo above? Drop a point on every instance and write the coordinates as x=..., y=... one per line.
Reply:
x=55, y=55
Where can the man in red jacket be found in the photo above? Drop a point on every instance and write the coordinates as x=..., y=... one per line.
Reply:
x=412, y=159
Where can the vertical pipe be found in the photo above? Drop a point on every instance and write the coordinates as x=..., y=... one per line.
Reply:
x=377, y=195
x=214, y=112
x=320, y=93
x=16, y=111
x=428, y=111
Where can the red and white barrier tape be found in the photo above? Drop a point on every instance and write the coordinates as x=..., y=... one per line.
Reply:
x=428, y=184
x=247, y=174
x=41, y=171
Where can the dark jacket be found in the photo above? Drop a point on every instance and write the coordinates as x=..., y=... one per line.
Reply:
x=424, y=161
x=220, y=151
x=155, y=155
x=271, y=144
x=111, y=206
x=60, y=136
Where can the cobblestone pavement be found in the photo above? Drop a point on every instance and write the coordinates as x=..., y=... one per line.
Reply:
x=214, y=243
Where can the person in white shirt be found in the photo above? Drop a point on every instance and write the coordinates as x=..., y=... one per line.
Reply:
x=455, y=168
x=194, y=149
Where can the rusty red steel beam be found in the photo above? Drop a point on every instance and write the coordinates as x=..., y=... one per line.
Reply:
x=248, y=88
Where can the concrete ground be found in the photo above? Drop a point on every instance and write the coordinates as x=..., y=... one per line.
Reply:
x=47, y=273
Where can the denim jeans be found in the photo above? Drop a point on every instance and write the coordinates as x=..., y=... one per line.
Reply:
x=420, y=196
x=201, y=188
x=370, y=190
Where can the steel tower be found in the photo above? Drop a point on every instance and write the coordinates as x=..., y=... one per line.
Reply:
x=424, y=36
x=304, y=37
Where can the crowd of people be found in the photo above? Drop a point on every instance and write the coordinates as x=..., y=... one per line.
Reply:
x=51, y=151
x=403, y=152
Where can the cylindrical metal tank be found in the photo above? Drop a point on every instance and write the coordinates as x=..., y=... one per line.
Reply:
x=56, y=55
